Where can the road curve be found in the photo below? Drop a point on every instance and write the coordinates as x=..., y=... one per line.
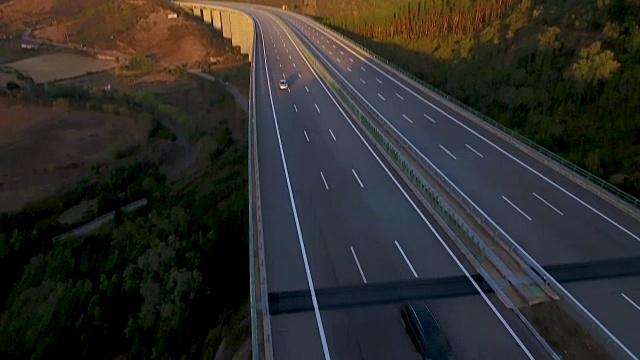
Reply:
x=335, y=215
x=555, y=220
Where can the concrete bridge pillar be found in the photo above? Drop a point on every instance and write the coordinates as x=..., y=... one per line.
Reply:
x=217, y=18
x=226, y=25
x=206, y=16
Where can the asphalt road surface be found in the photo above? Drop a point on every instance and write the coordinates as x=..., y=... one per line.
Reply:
x=334, y=215
x=552, y=218
x=328, y=196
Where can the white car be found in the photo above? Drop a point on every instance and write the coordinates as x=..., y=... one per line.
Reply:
x=283, y=84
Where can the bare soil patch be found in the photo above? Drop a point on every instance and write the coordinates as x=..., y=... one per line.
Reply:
x=43, y=150
x=50, y=67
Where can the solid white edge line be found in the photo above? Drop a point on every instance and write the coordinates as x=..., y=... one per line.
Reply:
x=474, y=150
x=433, y=230
x=515, y=207
x=305, y=135
x=307, y=269
x=548, y=204
x=358, y=264
x=407, y=118
x=324, y=180
x=317, y=108
x=448, y=152
x=357, y=178
x=630, y=301
x=406, y=260
x=566, y=192
x=333, y=136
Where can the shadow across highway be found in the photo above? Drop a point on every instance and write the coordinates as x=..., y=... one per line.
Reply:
x=400, y=291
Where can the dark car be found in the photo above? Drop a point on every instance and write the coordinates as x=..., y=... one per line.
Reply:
x=425, y=332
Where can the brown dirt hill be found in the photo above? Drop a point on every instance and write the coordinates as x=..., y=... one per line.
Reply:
x=129, y=27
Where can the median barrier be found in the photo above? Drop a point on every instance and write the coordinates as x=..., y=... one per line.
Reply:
x=464, y=236
x=609, y=192
x=567, y=301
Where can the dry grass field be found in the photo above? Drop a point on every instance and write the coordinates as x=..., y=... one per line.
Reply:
x=68, y=142
x=56, y=66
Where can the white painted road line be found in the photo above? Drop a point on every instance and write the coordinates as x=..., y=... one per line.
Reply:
x=317, y=108
x=362, y=81
x=357, y=178
x=333, y=136
x=631, y=301
x=289, y=57
x=278, y=56
x=323, y=47
x=348, y=69
x=381, y=97
x=350, y=59
x=338, y=60
x=303, y=251
x=399, y=96
x=280, y=64
x=547, y=203
x=407, y=118
x=407, y=260
x=294, y=64
x=379, y=81
x=430, y=118
x=295, y=107
x=330, y=53
x=358, y=263
x=363, y=69
x=341, y=52
x=299, y=75
x=334, y=46
x=288, y=90
x=448, y=152
x=474, y=150
x=324, y=180
x=306, y=88
x=305, y=135
x=515, y=207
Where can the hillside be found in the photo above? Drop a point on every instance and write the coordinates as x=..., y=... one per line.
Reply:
x=128, y=27
x=564, y=74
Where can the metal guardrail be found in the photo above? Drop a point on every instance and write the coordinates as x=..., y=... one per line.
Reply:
x=578, y=312
x=442, y=209
x=584, y=178
x=260, y=319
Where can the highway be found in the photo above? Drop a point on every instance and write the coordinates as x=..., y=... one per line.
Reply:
x=335, y=215
x=555, y=220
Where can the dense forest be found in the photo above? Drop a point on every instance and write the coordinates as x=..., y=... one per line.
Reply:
x=562, y=73
x=154, y=284
x=167, y=281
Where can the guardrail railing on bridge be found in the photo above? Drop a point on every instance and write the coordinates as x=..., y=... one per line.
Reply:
x=622, y=200
x=578, y=312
